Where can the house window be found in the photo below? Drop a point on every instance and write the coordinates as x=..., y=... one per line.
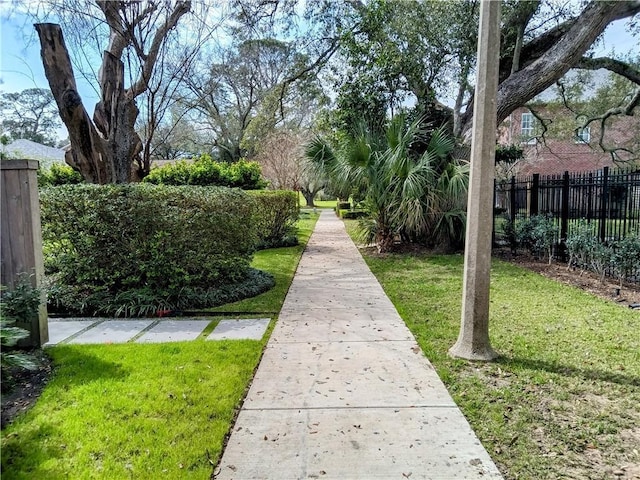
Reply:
x=583, y=135
x=527, y=128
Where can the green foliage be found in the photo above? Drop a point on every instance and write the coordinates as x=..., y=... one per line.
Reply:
x=277, y=213
x=105, y=240
x=508, y=154
x=59, y=174
x=587, y=252
x=626, y=255
x=19, y=305
x=30, y=114
x=205, y=171
x=352, y=214
x=538, y=233
x=411, y=186
x=580, y=243
x=511, y=234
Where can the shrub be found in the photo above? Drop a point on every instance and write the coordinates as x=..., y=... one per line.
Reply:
x=511, y=234
x=59, y=174
x=538, y=233
x=277, y=213
x=580, y=244
x=205, y=171
x=352, y=214
x=105, y=240
x=17, y=306
x=625, y=255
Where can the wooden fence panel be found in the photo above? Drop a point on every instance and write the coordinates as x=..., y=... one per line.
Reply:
x=21, y=244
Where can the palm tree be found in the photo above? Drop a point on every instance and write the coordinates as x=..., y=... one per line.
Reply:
x=413, y=188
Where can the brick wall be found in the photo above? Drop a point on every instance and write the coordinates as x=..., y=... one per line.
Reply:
x=559, y=151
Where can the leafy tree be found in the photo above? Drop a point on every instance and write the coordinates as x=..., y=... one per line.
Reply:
x=30, y=114
x=403, y=58
x=412, y=187
x=252, y=88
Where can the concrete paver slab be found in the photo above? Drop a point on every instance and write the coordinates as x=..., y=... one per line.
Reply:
x=416, y=443
x=339, y=325
x=60, y=330
x=345, y=374
x=113, y=331
x=174, y=331
x=252, y=329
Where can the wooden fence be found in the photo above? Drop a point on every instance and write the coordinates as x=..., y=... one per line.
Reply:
x=21, y=237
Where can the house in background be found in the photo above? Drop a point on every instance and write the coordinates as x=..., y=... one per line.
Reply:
x=572, y=149
x=553, y=142
x=28, y=150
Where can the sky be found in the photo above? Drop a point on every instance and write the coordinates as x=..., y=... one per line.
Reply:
x=21, y=65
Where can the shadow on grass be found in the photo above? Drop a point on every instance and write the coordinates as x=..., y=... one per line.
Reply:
x=584, y=373
x=75, y=366
x=24, y=454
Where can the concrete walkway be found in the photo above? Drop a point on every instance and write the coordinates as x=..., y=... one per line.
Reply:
x=343, y=391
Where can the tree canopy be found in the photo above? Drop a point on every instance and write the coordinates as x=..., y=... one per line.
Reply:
x=255, y=67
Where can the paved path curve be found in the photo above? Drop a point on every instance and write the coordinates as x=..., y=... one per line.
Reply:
x=343, y=391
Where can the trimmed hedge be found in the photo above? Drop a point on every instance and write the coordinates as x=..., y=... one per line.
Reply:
x=205, y=171
x=59, y=174
x=160, y=241
x=352, y=214
x=277, y=214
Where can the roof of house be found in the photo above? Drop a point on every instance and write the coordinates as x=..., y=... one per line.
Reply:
x=26, y=149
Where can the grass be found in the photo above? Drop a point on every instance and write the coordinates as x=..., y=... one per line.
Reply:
x=131, y=411
x=282, y=264
x=144, y=410
x=562, y=400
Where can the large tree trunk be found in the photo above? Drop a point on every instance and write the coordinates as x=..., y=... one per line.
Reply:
x=308, y=196
x=561, y=50
x=87, y=147
x=102, y=151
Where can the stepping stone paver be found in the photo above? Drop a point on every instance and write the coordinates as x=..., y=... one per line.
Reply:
x=251, y=329
x=113, y=331
x=60, y=330
x=174, y=331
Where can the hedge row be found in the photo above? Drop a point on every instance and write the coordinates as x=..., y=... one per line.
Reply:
x=278, y=212
x=109, y=239
x=59, y=174
x=205, y=171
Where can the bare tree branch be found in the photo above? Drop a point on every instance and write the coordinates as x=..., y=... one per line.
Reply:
x=626, y=70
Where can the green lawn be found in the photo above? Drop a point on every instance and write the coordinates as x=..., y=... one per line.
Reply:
x=562, y=400
x=144, y=411
x=282, y=264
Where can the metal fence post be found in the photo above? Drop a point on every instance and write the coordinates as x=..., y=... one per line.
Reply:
x=604, y=204
x=564, y=215
x=535, y=188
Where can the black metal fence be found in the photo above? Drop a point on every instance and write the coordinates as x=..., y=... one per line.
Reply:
x=610, y=198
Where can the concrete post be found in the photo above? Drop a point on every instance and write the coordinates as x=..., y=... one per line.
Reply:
x=473, y=340
x=21, y=245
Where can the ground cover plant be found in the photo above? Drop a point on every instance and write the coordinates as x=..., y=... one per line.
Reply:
x=562, y=400
x=144, y=411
